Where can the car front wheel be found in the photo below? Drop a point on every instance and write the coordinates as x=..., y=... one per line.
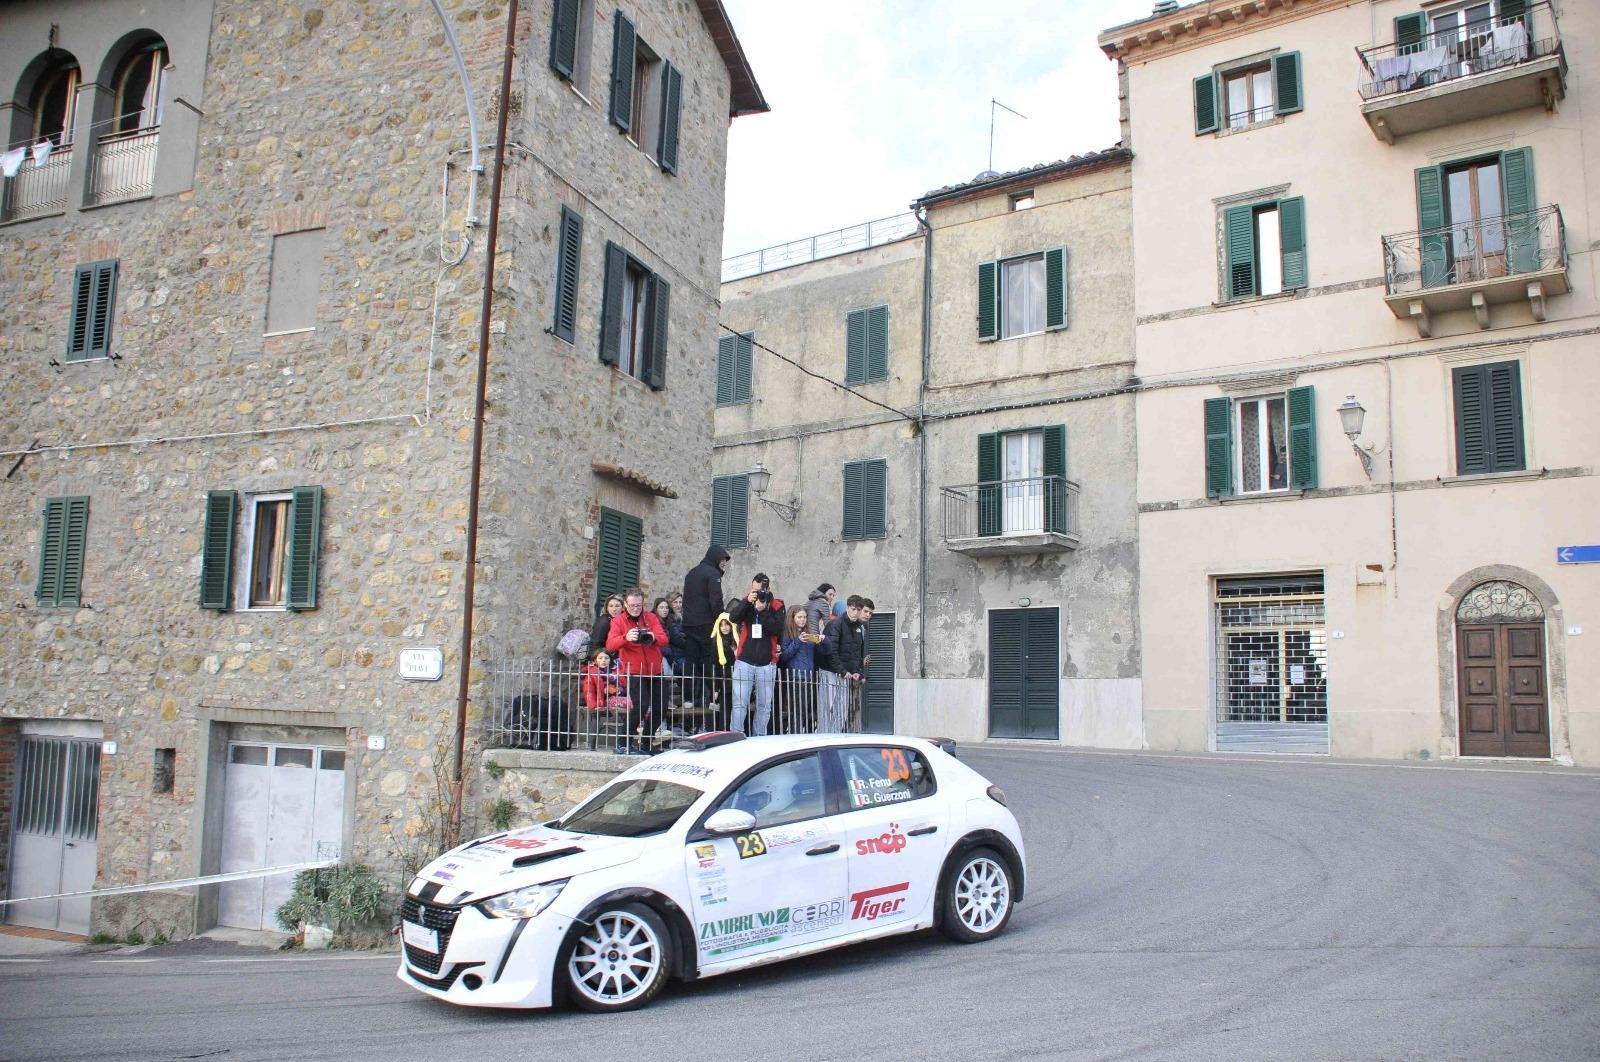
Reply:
x=977, y=897
x=619, y=961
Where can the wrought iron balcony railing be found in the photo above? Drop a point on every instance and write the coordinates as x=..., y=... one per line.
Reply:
x=1040, y=505
x=1475, y=252
x=39, y=188
x=124, y=165
x=1447, y=55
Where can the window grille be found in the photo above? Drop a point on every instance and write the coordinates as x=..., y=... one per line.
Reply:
x=1271, y=650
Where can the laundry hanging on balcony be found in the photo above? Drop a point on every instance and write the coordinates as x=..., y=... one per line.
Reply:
x=11, y=161
x=41, y=152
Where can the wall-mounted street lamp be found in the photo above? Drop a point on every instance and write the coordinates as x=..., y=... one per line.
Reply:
x=760, y=480
x=1352, y=416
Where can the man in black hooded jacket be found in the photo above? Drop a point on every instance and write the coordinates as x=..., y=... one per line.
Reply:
x=702, y=604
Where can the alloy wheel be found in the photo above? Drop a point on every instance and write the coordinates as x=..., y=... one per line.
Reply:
x=616, y=960
x=982, y=895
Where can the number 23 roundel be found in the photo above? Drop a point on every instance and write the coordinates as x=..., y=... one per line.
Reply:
x=750, y=845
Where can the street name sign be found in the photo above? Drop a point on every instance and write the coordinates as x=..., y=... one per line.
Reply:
x=1578, y=554
x=422, y=665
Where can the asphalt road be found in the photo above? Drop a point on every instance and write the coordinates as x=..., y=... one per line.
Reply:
x=1178, y=907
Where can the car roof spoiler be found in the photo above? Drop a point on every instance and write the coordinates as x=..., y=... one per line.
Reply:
x=709, y=740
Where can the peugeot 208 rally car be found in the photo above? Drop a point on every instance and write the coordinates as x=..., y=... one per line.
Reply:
x=705, y=860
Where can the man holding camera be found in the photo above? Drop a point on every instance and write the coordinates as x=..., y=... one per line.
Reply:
x=758, y=627
x=635, y=640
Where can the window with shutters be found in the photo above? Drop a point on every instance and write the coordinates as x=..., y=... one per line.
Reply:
x=1263, y=249
x=275, y=566
x=62, y=539
x=1488, y=414
x=866, y=490
x=94, y=304
x=730, y=508
x=1022, y=295
x=572, y=41
x=1261, y=444
x=646, y=94
x=1248, y=92
x=636, y=310
x=734, y=366
x=866, y=345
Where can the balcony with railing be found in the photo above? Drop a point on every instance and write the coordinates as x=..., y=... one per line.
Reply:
x=39, y=186
x=1459, y=73
x=1476, y=264
x=823, y=245
x=124, y=165
x=1011, y=517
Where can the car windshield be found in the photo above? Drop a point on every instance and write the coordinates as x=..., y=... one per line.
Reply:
x=635, y=808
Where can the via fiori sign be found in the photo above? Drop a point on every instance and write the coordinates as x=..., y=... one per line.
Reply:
x=422, y=665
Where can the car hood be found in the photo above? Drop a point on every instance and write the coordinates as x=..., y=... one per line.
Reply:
x=506, y=861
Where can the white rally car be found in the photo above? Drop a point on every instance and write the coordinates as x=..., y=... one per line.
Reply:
x=704, y=860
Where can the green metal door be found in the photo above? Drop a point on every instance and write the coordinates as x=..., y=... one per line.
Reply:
x=1024, y=670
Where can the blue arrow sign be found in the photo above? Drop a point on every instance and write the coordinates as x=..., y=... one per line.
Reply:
x=1578, y=554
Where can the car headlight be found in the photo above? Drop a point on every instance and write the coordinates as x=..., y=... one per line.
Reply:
x=523, y=903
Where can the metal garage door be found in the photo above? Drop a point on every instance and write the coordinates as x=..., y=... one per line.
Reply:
x=1271, y=664
x=283, y=804
x=55, y=813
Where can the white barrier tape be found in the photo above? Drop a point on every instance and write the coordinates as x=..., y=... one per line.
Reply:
x=180, y=883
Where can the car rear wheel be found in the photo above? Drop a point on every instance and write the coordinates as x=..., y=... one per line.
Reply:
x=619, y=961
x=977, y=897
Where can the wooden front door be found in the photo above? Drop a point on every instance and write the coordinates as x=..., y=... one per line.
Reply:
x=1500, y=673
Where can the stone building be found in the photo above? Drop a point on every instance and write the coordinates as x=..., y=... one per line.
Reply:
x=939, y=420
x=241, y=265
x=1366, y=327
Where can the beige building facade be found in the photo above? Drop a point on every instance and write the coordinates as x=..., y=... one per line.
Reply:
x=944, y=420
x=1366, y=322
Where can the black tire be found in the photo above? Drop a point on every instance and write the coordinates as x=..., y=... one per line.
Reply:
x=619, y=961
x=976, y=897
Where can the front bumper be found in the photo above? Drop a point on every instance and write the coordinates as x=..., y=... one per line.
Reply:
x=486, y=962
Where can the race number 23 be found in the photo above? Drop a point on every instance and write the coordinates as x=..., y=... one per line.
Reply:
x=750, y=845
x=895, y=760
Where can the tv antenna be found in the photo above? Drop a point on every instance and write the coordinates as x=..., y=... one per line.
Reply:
x=993, y=103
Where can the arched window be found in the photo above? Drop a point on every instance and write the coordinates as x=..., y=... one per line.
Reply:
x=138, y=86
x=55, y=103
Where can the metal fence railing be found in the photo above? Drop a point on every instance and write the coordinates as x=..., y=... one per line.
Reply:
x=556, y=705
x=1475, y=251
x=1036, y=505
x=40, y=183
x=823, y=245
x=124, y=165
x=1461, y=49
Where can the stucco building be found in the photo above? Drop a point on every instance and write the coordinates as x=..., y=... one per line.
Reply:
x=944, y=423
x=1366, y=324
x=241, y=269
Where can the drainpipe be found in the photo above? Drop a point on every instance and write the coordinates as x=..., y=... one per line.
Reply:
x=484, y=312
x=922, y=444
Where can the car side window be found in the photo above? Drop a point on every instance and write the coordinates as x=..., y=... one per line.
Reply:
x=785, y=792
x=875, y=775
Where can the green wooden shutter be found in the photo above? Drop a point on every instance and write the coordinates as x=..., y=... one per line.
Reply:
x=988, y=308
x=61, y=549
x=658, y=309
x=1219, y=447
x=1055, y=288
x=611, y=305
x=738, y=511
x=1472, y=419
x=989, y=483
x=1409, y=31
x=1056, y=513
x=853, y=480
x=878, y=343
x=1205, y=104
x=101, y=307
x=671, y=107
x=72, y=550
x=1430, y=220
x=632, y=551
x=1288, y=95
x=1505, y=417
x=78, y=324
x=624, y=42
x=1302, y=409
x=727, y=366
x=720, y=486
x=608, y=563
x=743, y=385
x=216, y=557
x=1522, y=229
x=1239, y=231
x=874, y=499
x=305, y=547
x=564, y=37
x=1292, y=239
x=52, y=535
x=855, y=347
x=568, y=254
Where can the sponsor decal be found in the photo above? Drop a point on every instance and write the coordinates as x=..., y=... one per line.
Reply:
x=868, y=792
x=750, y=845
x=443, y=875
x=520, y=844
x=891, y=843
x=706, y=873
x=784, y=836
x=873, y=904
x=692, y=770
x=816, y=917
x=894, y=760
x=706, y=855
x=723, y=936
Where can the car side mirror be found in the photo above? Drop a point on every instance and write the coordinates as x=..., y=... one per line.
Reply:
x=730, y=821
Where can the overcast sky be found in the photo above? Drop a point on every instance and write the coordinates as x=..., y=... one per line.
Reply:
x=876, y=101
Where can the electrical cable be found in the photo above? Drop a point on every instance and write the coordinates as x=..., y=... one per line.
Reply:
x=902, y=414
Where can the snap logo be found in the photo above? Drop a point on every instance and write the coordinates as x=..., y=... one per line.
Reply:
x=873, y=904
x=520, y=843
x=884, y=844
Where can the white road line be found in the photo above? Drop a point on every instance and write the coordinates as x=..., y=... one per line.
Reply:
x=311, y=958
x=123, y=961
x=24, y=960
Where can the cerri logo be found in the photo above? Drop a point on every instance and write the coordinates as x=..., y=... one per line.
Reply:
x=884, y=844
x=873, y=904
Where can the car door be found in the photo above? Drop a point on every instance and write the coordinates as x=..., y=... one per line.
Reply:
x=780, y=885
x=895, y=830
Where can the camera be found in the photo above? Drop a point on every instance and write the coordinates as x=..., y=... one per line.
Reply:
x=646, y=636
x=764, y=596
